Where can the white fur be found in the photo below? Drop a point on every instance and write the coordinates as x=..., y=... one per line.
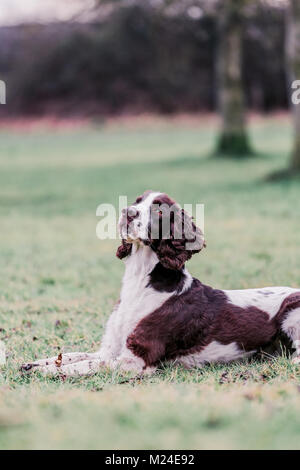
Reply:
x=214, y=352
x=136, y=302
x=187, y=282
x=256, y=298
x=139, y=226
x=68, y=358
x=144, y=210
x=291, y=326
x=80, y=367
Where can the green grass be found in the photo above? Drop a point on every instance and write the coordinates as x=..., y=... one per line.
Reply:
x=58, y=284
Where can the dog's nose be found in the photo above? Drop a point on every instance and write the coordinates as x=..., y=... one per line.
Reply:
x=131, y=213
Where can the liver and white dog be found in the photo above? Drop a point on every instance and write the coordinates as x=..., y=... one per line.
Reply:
x=164, y=314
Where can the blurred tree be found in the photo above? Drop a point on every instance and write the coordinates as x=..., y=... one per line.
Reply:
x=233, y=139
x=154, y=55
x=293, y=57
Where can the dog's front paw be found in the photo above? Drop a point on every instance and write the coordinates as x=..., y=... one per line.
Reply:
x=29, y=367
x=87, y=367
x=36, y=367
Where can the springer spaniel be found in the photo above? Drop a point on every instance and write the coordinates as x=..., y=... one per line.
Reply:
x=164, y=314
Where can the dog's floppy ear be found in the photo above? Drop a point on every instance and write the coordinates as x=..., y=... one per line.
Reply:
x=124, y=249
x=186, y=239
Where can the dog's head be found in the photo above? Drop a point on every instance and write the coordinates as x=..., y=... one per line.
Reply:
x=156, y=220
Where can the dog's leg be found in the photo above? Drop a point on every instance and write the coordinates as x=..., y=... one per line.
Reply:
x=291, y=326
x=58, y=361
x=127, y=362
x=78, y=364
x=87, y=367
x=92, y=366
x=109, y=350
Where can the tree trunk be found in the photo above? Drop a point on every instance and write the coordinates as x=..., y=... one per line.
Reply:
x=293, y=55
x=233, y=139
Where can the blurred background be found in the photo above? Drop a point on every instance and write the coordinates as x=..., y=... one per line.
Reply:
x=98, y=58
x=109, y=98
x=93, y=57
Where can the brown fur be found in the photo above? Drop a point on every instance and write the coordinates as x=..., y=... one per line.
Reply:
x=172, y=252
x=187, y=323
x=124, y=250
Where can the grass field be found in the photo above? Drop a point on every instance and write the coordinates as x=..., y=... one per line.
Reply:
x=58, y=283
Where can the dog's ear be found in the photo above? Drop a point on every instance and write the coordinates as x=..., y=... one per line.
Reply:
x=124, y=249
x=185, y=240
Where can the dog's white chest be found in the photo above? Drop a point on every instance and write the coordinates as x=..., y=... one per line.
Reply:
x=135, y=306
x=138, y=299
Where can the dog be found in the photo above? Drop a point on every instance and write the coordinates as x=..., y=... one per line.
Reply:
x=166, y=315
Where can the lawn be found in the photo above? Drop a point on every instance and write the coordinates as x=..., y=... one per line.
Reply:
x=58, y=284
